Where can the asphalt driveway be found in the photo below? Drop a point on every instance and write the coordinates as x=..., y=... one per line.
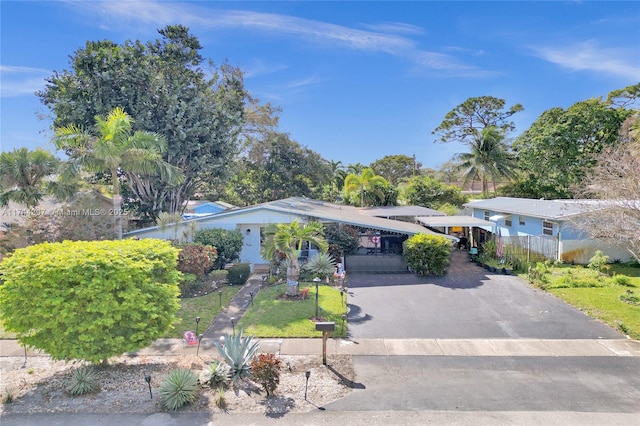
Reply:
x=468, y=302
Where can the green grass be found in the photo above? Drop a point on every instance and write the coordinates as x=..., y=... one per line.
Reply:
x=206, y=307
x=598, y=294
x=604, y=304
x=273, y=316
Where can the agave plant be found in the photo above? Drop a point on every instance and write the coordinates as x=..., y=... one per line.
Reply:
x=322, y=264
x=178, y=389
x=83, y=380
x=237, y=353
x=217, y=374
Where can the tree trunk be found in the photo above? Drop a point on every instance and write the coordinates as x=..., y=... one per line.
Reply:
x=293, y=275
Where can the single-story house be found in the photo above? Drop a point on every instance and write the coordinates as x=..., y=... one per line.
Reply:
x=545, y=223
x=385, y=233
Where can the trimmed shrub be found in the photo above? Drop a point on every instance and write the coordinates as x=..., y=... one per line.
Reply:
x=427, y=254
x=90, y=300
x=196, y=259
x=265, y=369
x=178, y=388
x=227, y=243
x=239, y=273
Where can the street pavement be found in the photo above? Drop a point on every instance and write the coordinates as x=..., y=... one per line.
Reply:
x=466, y=349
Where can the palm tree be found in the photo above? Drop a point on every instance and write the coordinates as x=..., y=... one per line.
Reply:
x=287, y=238
x=366, y=182
x=23, y=172
x=489, y=159
x=114, y=147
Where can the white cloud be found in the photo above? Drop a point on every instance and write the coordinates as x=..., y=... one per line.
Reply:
x=164, y=13
x=20, y=80
x=588, y=56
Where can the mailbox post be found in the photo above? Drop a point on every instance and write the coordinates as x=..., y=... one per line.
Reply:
x=326, y=328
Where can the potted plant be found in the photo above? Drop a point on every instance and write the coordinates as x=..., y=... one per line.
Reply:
x=507, y=268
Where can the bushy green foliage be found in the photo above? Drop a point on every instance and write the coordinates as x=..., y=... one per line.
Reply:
x=178, y=388
x=239, y=273
x=427, y=254
x=237, y=351
x=622, y=280
x=265, y=369
x=196, y=259
x=90, y=300
x=432, y=193
x=599, y=261
x=227, y=243
x=218, y=275
x=83, y=380
x=342, y=241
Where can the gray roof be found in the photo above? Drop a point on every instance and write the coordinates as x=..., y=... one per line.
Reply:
x=339, y=213
x=308, y=209
x=398, y=211
x=545, y=209
x=449, y=221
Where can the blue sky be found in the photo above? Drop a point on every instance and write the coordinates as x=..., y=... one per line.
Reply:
x=356, y=80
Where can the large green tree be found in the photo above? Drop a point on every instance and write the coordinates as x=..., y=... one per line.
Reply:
x=114, y=147
x=489, y=159
x=395, y=168
x=465, y=121
x=170, y=89
x=90, y=300
x=432, y=193
x=559, y=147
x=22, y=176
x=275, y=168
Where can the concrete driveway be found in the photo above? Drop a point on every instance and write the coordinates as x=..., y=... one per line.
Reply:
x=467, y=303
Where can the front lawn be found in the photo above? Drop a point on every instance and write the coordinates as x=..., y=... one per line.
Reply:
x=272, y=315
x=206, y=307
x=610, y=297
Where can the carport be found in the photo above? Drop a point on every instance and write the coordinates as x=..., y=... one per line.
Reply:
x=476, y=228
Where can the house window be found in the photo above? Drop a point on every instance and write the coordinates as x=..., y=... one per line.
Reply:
x=547, y=228
x=521, y=221
x=507, y=220
x=487, y=214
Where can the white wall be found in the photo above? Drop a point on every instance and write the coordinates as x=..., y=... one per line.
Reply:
x=581, y=251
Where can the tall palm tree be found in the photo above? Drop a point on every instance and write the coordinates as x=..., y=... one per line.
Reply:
x=287, y=238
x=22, y=173
x=114, y=147
x=489, y=159
x=366, y=182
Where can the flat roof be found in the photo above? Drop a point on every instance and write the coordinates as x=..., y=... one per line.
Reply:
x=449, y=221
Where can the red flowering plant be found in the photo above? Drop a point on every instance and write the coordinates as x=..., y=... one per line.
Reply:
x=196, y=259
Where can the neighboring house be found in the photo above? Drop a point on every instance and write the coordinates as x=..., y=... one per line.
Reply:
x=197, y=208
x=548, y=221
x=252, y=220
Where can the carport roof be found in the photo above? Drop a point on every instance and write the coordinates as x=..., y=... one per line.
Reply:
x=449, y=221
x=396, y=211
